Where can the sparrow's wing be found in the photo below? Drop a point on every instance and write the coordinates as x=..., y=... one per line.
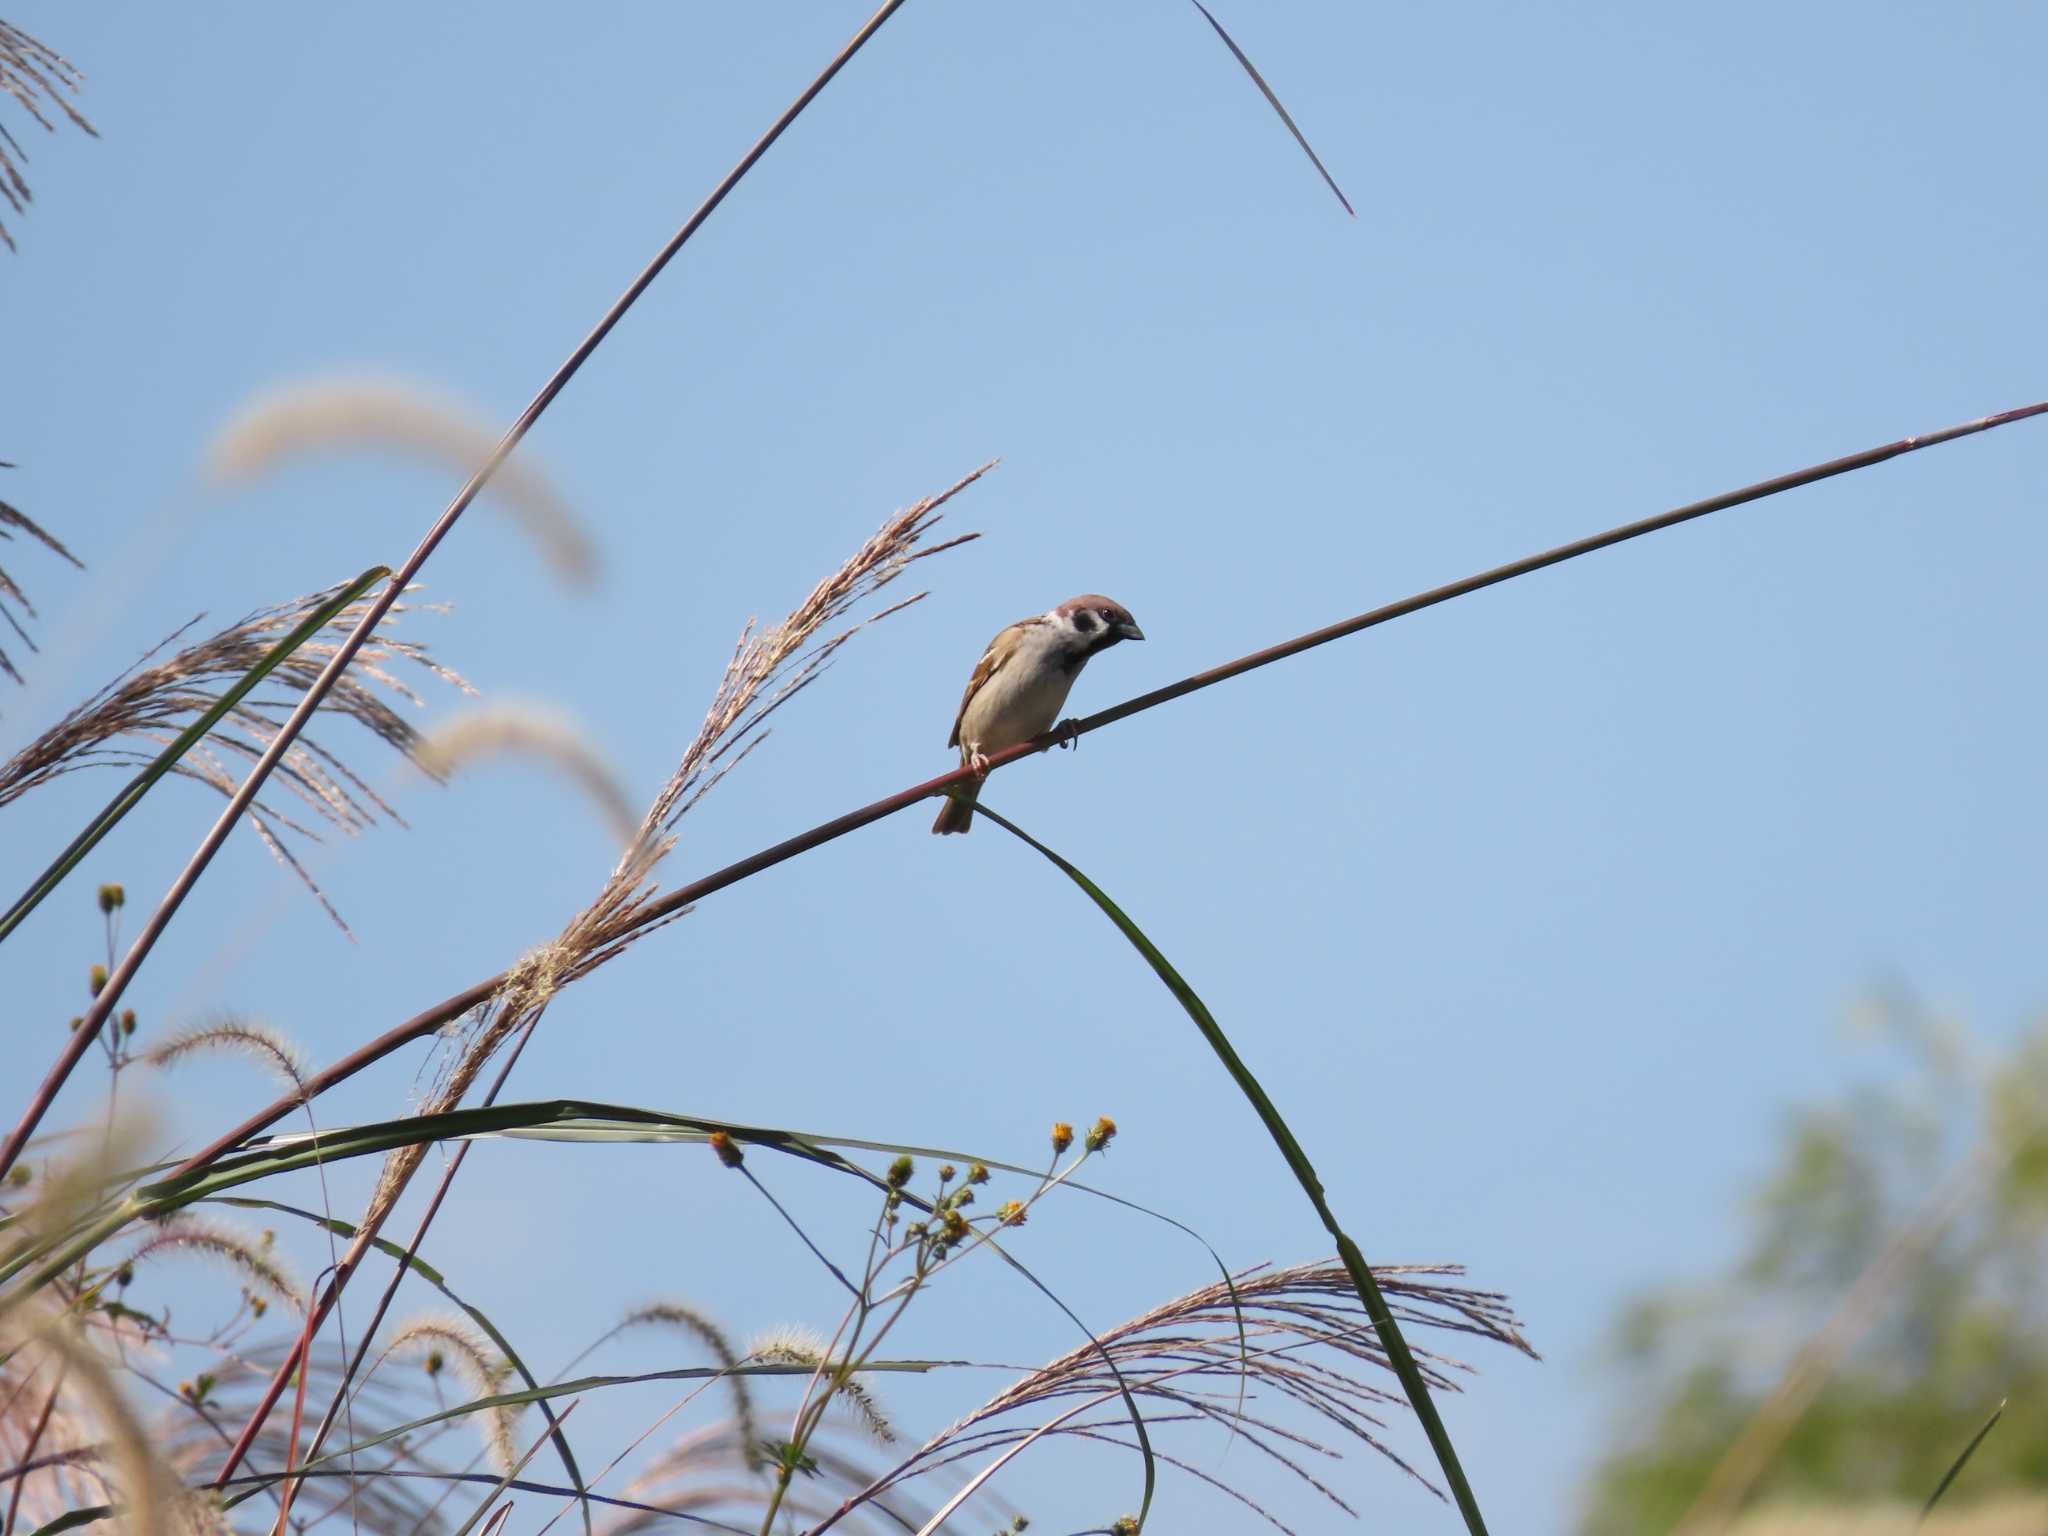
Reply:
x=993, y=660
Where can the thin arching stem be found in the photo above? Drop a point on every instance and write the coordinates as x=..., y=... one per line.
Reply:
x=430, y=1020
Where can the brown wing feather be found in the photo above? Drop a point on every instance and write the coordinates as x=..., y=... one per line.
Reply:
x=992, y=661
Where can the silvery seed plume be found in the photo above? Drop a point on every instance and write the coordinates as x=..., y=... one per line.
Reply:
x=1301, y=1381
x=131, y=719
x=33, y=75
x=326, y=414
x=13, y=521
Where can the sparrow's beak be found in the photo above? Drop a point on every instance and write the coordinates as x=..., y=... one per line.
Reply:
x=1129, y=631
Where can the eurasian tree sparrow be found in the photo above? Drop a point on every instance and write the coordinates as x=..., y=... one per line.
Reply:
x=1021, y=682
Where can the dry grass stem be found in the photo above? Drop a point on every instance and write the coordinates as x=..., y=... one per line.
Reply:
x=526, y=730
x=1720, y=1500
x=340, y=414
x=769, y=667
x=125, y=724
x=33, y=75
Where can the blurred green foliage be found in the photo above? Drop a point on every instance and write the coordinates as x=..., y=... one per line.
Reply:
x=1965, y=1326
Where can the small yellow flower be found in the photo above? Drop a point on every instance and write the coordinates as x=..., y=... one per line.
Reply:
x=728, y=1150
x=900, y=1172
x=1100, y=1134
x=99, y=979
x=977, y=1173
x=112, y=897
x=1062, y=1137
x=1011, y=1213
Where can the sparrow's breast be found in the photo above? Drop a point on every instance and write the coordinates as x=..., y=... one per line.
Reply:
x=1015, y=705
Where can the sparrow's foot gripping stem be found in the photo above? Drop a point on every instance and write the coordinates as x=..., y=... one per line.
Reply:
x=978, y=761
x=1067, y=733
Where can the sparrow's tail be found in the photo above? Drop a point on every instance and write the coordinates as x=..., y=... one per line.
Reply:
x=956, y=815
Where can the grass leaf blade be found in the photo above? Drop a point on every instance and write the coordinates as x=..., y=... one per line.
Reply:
x=1955, y=1467
x=190, y=737
x=1398, y=1354
x=1274, y=102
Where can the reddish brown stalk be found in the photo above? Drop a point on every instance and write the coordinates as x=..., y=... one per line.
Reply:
x=384, y=1303
x=291, y=1454
x=110, y=995
x=424, y=1024
x=28, y=1451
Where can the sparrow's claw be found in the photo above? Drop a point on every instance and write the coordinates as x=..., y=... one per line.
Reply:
x=1068, y=732
x=978, y=761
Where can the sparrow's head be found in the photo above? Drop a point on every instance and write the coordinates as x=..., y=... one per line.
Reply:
x=1099, y=621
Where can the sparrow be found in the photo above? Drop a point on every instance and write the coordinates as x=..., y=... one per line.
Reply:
x=1021, y=682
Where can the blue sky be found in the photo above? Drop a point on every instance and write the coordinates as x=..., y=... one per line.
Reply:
x=1535, y=912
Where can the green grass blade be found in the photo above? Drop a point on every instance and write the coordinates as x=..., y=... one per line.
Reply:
x=498, y=1491
x=191, y=736
x=1957, y=1465
x=1398, y=1354
x=1274, y=102
x=71, y=1519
